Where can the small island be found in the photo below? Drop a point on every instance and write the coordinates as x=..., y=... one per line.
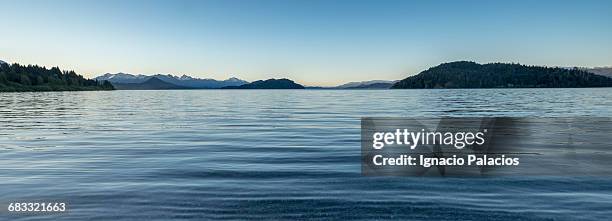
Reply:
x=466, y=74
x=269, y=84
x=20, y=78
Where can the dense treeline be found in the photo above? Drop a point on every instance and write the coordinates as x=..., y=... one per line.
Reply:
x=17, y=77
x=465, y=74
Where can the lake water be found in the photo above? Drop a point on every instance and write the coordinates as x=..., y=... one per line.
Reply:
x=266, y=154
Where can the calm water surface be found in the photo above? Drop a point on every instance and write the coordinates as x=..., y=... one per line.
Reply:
x=266, y=154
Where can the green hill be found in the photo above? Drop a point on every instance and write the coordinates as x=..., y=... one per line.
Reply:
x=17, y=77
x=465, y=74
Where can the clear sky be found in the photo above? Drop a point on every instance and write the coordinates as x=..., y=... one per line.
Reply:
x=313, y=42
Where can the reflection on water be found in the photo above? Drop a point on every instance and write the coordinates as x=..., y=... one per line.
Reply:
x=266, y=154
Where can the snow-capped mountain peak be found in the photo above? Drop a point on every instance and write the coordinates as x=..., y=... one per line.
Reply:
x=186, y=77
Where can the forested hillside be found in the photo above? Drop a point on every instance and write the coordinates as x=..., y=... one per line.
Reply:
x=18, y=77
x=465, y=74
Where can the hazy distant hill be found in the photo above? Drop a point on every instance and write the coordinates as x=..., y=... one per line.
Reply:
x=465, y=74
x=185, y=81
x=372, y=86
x=151, y=83
x=604, y=71
x=366, y=84
x=269, y=84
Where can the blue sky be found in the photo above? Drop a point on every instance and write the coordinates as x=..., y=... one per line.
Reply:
x=313, y=42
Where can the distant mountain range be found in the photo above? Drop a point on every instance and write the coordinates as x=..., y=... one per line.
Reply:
x=2, y=62
x=466, y=74
x=269, y=84
x=125, y=81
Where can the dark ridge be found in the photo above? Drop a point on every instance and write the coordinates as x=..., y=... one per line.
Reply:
x=152, y=83
x=269, y=84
